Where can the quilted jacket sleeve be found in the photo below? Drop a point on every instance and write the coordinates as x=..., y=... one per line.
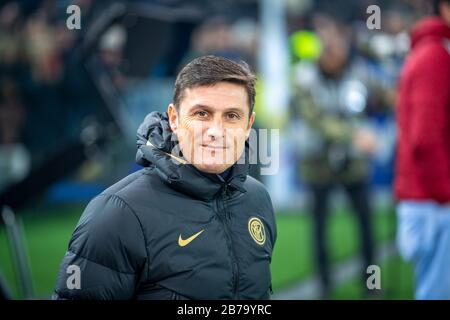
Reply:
x=106, y=254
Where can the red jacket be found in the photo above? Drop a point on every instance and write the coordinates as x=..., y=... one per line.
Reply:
x=423, y=116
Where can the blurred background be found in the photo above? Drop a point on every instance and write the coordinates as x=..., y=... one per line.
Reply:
x=71, y=101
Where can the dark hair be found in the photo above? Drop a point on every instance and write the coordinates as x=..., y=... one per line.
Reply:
x=436, y=4
x=209, y=70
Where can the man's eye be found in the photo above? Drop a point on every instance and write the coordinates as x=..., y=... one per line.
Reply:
x=233, y=116
x=201, y=114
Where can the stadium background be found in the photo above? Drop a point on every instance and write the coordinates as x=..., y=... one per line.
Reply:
x=71, y=101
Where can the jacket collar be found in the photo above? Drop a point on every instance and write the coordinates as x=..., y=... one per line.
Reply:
x=429, y=29
x=155, y=142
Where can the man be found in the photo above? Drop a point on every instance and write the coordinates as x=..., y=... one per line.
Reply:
x=193, y=226
x=422, y=183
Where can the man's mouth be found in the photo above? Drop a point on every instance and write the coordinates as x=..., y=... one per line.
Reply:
x=213, y=147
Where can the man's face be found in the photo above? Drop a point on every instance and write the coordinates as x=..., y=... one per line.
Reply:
x=212, y=124
x=335, y=50
x=444, y=8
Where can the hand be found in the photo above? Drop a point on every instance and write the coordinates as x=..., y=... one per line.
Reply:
x=365, y=140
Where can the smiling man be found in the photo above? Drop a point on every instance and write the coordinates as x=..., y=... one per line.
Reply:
x=212, y=121
x=192, y=224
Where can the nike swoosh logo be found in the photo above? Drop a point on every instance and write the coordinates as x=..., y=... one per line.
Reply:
x=185, y=242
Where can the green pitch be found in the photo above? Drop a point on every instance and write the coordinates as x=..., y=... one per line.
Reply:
x=48, y=230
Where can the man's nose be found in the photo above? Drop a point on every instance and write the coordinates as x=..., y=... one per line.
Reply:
x=215, y=129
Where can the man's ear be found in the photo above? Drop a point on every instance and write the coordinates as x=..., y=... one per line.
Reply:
x=250, y=124
x=173, y=117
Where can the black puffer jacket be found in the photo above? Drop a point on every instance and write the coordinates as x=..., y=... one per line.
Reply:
x=169, y=231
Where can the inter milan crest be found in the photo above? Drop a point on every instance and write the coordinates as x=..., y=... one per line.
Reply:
x=256, y=229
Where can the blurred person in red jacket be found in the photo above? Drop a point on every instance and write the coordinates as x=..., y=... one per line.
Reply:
x=422, y=184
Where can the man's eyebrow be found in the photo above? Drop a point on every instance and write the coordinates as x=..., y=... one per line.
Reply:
x=200, y=106
x=237, y=110
x=208, y=108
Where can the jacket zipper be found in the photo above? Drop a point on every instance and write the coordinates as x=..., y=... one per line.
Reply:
x=225, y=223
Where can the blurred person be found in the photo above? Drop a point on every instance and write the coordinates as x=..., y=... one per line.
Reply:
x=111, y=48
x=245, y=33
x=182, y=228
x=213, y=37
x=330, y=98
x=422, y=182
x=235, y=41
x=14, y=157
x=43, y=80
x=10, y=35
x=43, y=52
x=11, y=112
